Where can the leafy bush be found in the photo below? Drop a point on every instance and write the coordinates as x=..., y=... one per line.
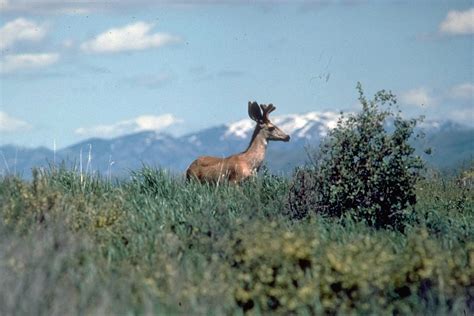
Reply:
x=366, y=167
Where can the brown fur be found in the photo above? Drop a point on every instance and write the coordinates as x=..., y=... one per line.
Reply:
x=239, y=167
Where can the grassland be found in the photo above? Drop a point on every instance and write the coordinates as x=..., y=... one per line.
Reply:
x=154, y=244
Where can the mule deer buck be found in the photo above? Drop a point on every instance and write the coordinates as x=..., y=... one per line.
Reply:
x=239, y=167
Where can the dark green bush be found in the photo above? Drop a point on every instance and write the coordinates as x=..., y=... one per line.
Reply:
x=366, y=167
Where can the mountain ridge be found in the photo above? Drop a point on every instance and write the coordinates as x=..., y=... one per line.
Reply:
x=453, y=143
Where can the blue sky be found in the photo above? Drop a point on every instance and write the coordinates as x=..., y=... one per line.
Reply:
x=70, y=70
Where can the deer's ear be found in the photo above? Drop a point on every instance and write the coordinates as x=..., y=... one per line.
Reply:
x=254, y=112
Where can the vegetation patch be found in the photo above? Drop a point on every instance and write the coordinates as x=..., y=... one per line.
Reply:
x=156, y=244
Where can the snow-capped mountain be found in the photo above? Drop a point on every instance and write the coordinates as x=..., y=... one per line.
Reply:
x=451, y=143
x=297, y=125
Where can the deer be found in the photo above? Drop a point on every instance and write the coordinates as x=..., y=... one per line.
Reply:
x=239, y=167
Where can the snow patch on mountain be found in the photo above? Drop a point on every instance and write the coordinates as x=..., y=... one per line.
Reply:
x=299, y=125
x=193, y=139
x=239, y=129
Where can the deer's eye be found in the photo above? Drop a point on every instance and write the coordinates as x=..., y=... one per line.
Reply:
x=271, y=128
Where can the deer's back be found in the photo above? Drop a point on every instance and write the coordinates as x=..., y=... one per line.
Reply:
x=214, y=169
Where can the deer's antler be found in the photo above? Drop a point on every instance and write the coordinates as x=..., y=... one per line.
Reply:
x=266, y=110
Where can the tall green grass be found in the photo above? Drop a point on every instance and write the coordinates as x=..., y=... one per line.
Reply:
x=157, y=244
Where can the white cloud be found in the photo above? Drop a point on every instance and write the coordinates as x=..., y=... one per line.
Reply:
x=462, y=91
x=463, y=116
x=138, y=124
x=4, y=4
x=134, y=36
x=20, y=30
x=11, y=124
x=11, y=63
x=418, y=97
x=458, y=22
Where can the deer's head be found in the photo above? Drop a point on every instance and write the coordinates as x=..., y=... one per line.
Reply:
x=260, y=115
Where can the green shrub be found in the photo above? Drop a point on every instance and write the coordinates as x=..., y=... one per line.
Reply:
x=366, y=167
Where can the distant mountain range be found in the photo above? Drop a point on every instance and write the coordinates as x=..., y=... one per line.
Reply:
x=451, y=143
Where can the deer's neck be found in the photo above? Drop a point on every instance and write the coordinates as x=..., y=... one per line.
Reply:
x=255, y=153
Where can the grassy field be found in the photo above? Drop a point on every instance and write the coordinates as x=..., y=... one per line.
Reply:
x=156, y=244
